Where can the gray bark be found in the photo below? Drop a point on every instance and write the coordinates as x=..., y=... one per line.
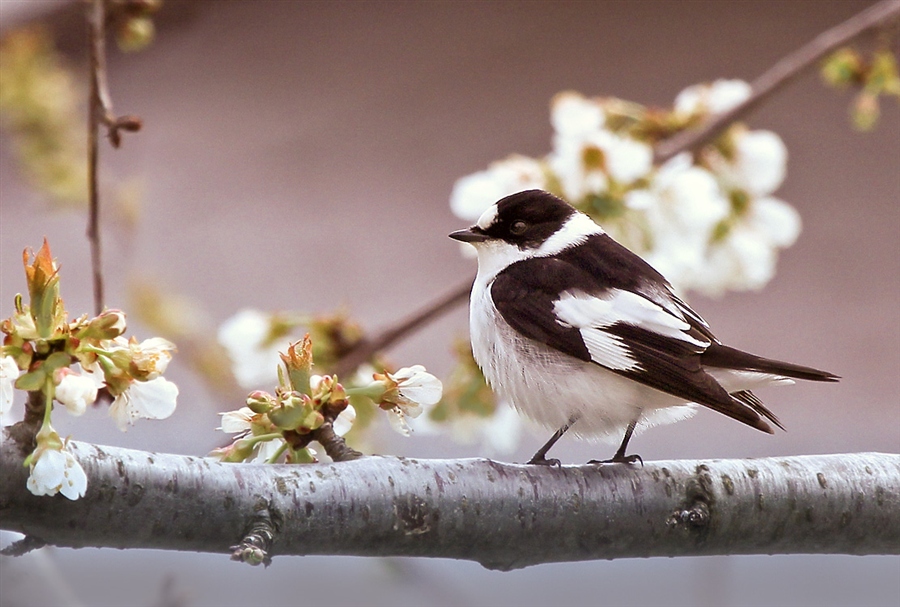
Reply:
x=504, y=516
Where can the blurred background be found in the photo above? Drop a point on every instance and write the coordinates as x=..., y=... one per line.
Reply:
x=300, y=156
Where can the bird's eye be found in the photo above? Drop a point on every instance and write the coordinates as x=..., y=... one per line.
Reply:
x=518, y=228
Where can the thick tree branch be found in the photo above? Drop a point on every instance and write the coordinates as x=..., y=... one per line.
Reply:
x=502, y=515
x=788, y=68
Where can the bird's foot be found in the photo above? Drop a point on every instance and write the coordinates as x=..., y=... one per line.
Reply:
x=620, y=459
x=540, y=460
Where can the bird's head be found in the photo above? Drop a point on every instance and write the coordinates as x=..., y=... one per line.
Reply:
x=533, y=223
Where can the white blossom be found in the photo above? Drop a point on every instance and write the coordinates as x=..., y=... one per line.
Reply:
x=234, y=422
x=152, y=356
x=413, y=387
x=344, y=421
x=716, y=98
x=154, y=399
x=627, y=159
x=9, y=373
x=474, y=193
x=776, y=220
x=417, y=387
x=501, y=432
x=266, y=450
x=685, y=205
x=253, y=360
x=55, y=470
x=397, y=419
x=746, y=258
x=759, y=165
x=75, y=391
x=573, y=115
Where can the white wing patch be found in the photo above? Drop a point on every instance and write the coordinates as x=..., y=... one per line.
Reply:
x=591, y=315
x=608, y=350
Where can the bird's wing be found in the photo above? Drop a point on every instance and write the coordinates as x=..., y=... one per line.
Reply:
x=561, y=305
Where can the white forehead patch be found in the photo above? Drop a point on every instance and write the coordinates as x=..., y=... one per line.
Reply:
x=488, y=217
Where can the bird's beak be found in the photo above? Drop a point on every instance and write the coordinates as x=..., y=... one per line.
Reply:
x=471, y=235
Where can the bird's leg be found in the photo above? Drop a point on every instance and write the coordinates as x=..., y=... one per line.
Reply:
x=539, y=459
x=620, y=457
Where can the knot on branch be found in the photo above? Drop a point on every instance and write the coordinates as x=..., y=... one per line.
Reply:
x=256, y=545
x=695, y=517
x=696, y=513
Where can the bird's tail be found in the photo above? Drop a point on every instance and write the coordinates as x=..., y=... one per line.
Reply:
x=717, y=355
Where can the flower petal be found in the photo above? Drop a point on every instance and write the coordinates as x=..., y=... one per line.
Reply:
x=154, y=399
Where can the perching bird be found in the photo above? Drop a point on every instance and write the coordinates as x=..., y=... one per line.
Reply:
x=577, y=331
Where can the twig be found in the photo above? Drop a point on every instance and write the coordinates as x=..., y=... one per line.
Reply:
x=100, y=112
x=23, y=546
x=365, y=349
x=787, y=69
x=256, y=545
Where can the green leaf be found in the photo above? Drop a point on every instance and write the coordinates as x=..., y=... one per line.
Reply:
x=33, y=381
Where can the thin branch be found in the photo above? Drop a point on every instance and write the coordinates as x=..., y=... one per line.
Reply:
x=23, y=546
x=100, y=112
x=97, y=24
x=366, y=348
x=783, y=72
x=504, y=516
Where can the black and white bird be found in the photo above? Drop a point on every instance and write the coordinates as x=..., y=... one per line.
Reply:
x=577, y=331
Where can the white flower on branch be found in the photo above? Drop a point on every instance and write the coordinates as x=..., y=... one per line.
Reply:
x=154, y=399
x=75, y=391
x=234, y=422
x=151, y=357
x=9, y=373
x=684, y=206
x=404, y=394
x=708, y=224
x=247, y=337
x=746, y=258
x=759, y=163
x=474, y=193
x=55, y=470
x=715, y=98
x=344, y=421
x=573, y=115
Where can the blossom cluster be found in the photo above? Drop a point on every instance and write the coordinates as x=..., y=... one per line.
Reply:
x=71, y=362
x=709, y=223
x=281, y=426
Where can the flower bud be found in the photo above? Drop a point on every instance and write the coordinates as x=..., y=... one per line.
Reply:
x=259, y=401
x=108, y=325
x=298, y=362
x=135, y=34
x=237, y=451
x=43, y=287
x=296, y=411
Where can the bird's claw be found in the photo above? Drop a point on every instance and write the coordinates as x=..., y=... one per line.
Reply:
x=620, y=459
x=540, y=460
